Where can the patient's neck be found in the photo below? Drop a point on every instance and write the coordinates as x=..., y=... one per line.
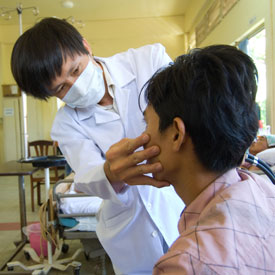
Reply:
x=193, y=185
x=192, y=177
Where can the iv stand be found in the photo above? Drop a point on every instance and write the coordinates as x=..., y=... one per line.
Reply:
x=6, y=13
x=52, y=261
x=24, y=97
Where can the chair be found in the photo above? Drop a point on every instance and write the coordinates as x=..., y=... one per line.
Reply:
x=42, y=148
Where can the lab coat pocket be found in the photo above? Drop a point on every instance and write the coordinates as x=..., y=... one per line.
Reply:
x=114, y=214
x=120, y=219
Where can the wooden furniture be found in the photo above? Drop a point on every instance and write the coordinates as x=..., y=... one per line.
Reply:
x=14, y=168
x=40, y=148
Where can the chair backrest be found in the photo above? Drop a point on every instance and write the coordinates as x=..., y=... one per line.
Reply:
x=42, y=148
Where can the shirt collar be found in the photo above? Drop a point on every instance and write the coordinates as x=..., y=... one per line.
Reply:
x=192, y=212
x=108, y=78
x=211, y=190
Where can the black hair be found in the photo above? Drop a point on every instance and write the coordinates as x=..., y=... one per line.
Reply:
x=38, y=54
x=213, y=91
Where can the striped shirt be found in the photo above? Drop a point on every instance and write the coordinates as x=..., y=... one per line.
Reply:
x=228, y=229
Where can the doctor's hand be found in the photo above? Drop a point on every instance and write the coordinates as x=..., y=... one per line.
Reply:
x=122, y=163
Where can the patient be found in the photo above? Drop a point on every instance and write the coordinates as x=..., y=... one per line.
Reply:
x=201, y=113
x=264, y=148
x=262, y=143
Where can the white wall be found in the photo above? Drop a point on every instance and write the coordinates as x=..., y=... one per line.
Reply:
x=243, y=18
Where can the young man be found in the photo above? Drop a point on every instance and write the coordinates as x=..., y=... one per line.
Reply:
x=201, y=113
x=101, y=96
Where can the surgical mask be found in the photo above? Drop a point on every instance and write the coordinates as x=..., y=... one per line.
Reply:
x=88, y=89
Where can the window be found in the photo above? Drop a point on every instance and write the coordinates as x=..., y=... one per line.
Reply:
x=254, y=46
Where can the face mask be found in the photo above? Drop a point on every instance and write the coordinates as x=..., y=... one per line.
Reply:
x=88, y=89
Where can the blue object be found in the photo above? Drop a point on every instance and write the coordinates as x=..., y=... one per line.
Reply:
x=68, y=222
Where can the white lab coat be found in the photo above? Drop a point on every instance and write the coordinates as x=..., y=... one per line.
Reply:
x=130, y=222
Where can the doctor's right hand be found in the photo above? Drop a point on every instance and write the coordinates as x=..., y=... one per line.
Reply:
x=123, y=163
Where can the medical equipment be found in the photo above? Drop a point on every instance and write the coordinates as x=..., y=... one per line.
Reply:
x=85, y=228
x=44, y=266
x=261, y=165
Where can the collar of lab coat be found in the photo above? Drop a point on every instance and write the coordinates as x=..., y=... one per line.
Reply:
x=120, y=70
x=121, y=74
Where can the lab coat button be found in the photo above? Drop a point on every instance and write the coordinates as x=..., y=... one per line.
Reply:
x=149, y=205
x=154, y=233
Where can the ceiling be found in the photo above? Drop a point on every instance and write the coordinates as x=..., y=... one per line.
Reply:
x=93, y=10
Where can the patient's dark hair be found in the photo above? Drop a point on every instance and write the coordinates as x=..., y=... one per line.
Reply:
x=213, y=91
x=38, y=54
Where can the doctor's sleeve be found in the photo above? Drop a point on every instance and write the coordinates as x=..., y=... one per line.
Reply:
x=84, y=157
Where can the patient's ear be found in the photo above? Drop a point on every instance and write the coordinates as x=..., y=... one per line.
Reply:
x=178, y=133
x=87, y=46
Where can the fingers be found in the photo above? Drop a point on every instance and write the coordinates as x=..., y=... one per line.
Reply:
x=127, y=146
x=123, y=162
x=139, y=170
x=133, y=159
x=116, y=172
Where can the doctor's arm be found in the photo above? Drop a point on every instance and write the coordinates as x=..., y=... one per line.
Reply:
x=82, y=154
x=123, y=163
x=94, y=174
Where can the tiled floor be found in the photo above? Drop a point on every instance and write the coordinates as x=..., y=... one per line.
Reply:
x=9, y=231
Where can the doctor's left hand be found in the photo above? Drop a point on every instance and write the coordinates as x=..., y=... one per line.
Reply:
x=122, y=163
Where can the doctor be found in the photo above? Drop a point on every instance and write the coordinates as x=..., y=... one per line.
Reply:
x=136, y=224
